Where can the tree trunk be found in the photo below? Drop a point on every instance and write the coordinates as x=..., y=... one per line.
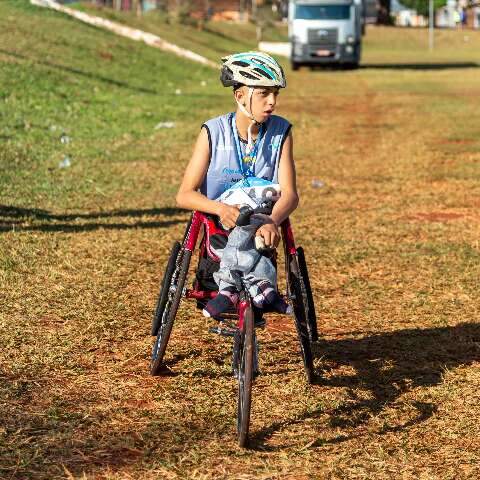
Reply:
x=384, y=12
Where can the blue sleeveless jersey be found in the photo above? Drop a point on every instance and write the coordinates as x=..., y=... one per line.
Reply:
x=224, y=169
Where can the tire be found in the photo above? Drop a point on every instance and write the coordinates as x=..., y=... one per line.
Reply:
x=164, y=287
x=295, y=66
x=245, y=345
x=298, y=293
x=350, y=66
x=308, y=297
x=174, y=295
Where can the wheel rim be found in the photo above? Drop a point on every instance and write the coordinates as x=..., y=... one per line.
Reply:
x=301, y=323
x=245, y=378
x=174, y=296
x=166, y=281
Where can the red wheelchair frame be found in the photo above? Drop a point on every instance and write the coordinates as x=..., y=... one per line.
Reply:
x=245, y=346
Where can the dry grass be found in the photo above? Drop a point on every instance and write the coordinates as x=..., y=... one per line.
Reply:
x=392, y=245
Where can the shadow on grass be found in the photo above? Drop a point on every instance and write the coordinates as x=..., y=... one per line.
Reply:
x=387, y=366
x=420, y=66
x=19, y=219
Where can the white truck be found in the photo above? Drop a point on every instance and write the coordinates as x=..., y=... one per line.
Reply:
x=323, y=32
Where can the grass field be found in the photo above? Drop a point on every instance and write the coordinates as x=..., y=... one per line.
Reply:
x=391, y=241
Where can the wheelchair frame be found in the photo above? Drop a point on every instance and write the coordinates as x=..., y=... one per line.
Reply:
x=245, y=346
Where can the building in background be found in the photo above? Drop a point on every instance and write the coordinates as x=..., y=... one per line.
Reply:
x=406, y=17
x=455, y=14
x=458, y=14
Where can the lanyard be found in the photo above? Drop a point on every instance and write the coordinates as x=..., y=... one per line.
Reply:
x=251, y=158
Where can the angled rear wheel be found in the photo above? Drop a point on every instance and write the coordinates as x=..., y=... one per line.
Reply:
x=166, y=315
x=307, y=297
x=297, y=292
x=164, y=288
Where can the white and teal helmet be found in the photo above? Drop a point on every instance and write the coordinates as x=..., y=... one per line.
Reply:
x=253, y=69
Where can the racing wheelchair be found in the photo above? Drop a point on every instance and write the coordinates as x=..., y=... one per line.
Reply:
x=240, y=323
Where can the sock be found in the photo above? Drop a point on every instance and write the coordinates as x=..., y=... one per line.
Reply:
x=277, y=302
x=264, y=288
x=269, y=296
x=224, y=301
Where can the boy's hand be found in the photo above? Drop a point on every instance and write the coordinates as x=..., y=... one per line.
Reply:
x=270, y=234
x=228, y=214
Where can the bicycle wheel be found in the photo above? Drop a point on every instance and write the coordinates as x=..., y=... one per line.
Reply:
x=297, y=293
x=164, y=288
x=174, y=295
x=307, y=296
x=245, y=345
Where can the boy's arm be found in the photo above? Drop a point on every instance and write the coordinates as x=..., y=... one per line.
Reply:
x=288, y=200
x=190, y=198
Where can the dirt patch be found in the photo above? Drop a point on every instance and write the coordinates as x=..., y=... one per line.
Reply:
x=435, y=217
x=280, y=324
x=456, y=141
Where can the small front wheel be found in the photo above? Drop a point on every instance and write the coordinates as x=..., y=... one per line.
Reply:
x=245, y=348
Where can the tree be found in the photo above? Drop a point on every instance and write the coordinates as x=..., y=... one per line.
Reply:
x=383, y=17
x=421, y=6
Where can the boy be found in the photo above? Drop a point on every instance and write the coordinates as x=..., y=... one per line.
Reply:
x=241, y=148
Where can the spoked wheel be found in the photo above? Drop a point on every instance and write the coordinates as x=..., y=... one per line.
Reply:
x=165, y=313
x=297, y=292
x=307, y=296
x=244, y=354
x=164, y=288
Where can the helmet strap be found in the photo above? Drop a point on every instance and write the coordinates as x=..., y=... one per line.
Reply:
x=249, y=114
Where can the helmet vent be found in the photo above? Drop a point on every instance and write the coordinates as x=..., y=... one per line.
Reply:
x=240, y=63
x=263, y=73
x=248, y=75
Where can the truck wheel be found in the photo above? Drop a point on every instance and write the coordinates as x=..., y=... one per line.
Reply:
x=295, y=66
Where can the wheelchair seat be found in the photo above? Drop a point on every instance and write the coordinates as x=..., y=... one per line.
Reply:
x=214, y=239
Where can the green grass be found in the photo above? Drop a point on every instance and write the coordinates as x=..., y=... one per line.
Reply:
x=411, y=45
x=391, y=242
x=103, y=92
x=214, y=40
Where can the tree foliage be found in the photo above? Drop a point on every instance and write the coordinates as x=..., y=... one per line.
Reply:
x=421, y=6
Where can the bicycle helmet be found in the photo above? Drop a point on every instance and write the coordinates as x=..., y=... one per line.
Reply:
x=253, y=69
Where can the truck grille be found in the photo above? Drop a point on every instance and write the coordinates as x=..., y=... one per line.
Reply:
x=323, y=38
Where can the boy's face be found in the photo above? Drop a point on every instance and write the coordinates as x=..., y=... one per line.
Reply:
x=264, y=100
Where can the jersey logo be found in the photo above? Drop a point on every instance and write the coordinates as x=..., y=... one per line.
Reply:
x=275, y=144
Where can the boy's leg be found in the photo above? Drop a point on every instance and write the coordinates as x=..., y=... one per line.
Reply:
x=262, y=286
x=236, y=258
x=262, y=280
x=223, y=302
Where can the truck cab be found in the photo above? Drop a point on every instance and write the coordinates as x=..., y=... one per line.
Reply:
x=325, y=32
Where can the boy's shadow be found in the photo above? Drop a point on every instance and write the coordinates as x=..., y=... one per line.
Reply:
x=386, y=366
x=15, y=218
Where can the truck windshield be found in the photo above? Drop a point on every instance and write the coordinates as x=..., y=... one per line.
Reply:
x=322, y=12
